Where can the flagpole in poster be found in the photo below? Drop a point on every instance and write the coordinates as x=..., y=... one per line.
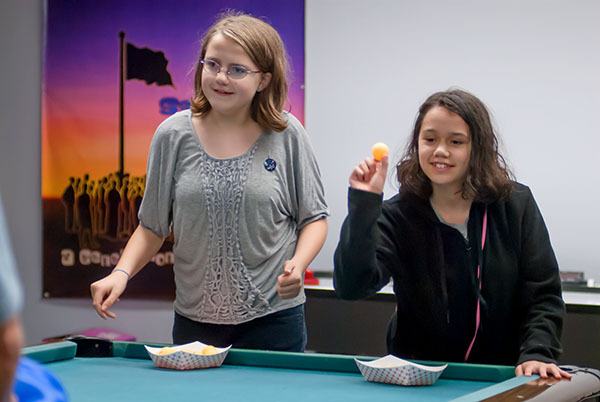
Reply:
x=121, y=103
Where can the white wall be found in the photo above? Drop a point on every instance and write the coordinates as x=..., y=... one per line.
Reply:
x=369, y=65
x=535, y=63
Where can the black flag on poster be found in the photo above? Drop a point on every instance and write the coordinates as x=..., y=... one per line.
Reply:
x=147, y=65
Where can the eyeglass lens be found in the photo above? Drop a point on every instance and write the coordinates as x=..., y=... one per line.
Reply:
x=234, y=71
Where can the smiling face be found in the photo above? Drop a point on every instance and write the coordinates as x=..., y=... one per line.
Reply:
x=227, y=96
x=444, y=147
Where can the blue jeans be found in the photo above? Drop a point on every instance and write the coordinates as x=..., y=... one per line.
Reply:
x=284, y=330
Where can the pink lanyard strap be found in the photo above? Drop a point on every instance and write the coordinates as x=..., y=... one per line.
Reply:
x=478, y=309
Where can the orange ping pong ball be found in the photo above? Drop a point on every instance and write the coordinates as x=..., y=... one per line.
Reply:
x=380, y=150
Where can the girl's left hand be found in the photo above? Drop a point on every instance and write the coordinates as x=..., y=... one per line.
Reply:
x=545, y=370
x=290, y=282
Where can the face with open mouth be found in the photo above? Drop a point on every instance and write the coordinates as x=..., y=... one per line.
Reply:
x=444, y=149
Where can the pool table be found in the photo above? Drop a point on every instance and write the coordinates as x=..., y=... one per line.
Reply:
x=126, y=373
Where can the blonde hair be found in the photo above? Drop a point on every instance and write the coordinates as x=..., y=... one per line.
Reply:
x=264, y=46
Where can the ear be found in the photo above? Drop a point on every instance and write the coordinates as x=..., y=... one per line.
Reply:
x=264, y=82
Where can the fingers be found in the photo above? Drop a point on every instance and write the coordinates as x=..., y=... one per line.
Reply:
x=104, y=294
x=545, y=370
x=110, y=300
x=369, y=165
x=365, y=170
x=289, y=283
x=519, y=370
x=524, y=368
x=288, y=280
x=288, y=267
x=98, y=295
x=102, y=306
x=289, y=292
x=383, y=166
x=566, y=375
x=359, y=174
x=370, y=175
x=558, y=373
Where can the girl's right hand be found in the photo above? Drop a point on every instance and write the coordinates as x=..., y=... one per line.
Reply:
x=370, y=175
x=106, y=291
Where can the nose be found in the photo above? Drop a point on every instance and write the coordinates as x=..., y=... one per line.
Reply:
x=222, y=76
x=441, y=150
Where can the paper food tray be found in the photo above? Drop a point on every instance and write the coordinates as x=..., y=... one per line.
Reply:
x=393, y=370
x=184, y=357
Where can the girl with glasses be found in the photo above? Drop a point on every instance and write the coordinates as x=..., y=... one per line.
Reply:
x=236, y=180
x=473, y=270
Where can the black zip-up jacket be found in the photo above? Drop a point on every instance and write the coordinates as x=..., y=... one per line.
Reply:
x=434, y=273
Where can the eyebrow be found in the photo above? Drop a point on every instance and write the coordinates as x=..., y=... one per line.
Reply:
x=220, y=62
x=455, y=133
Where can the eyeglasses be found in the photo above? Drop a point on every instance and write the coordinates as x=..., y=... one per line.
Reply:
x=234, y=71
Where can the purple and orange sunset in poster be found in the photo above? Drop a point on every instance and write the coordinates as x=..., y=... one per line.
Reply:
x=90, y=206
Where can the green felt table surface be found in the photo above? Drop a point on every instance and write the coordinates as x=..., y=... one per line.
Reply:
x=129, y=375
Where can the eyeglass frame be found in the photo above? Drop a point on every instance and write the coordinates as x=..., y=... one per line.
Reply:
x=227, y=72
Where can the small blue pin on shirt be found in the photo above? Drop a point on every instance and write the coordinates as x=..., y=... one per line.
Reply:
x=270, y=164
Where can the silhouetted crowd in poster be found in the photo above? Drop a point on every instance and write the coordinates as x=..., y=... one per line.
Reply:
x=102, y=209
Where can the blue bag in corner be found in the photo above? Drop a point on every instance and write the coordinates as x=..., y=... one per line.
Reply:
x=35, y=383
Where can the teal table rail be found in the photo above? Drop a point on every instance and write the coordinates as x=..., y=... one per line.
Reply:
x=249, y=376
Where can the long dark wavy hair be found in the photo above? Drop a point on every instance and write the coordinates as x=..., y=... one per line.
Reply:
x=488, y=177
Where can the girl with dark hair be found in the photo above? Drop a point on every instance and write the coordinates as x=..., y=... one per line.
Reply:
x=474, y=272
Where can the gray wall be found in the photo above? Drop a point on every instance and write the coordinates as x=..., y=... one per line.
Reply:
x=369, y=65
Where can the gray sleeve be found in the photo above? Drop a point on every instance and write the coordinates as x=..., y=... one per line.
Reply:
x=11, y=297
x=309, y=195
x=155, y=211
